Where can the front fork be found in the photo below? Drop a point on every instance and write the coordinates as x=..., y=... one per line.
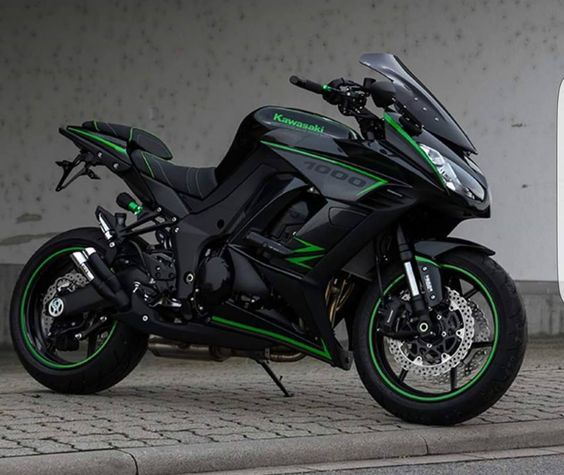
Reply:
x=428, y=274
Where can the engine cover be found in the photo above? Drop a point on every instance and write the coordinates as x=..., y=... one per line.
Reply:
x=215, y=280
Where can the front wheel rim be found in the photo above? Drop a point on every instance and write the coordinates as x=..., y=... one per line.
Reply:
x=416, y=396
x=24, y=313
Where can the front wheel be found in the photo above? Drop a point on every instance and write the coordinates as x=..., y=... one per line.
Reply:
x=466, y=366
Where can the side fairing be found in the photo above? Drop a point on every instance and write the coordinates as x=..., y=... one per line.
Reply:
x=332, y=177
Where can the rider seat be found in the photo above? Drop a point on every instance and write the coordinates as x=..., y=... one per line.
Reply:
x=193, y=181
x=149, y=154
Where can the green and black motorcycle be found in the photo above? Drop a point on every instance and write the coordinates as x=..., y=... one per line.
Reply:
x=304, y=225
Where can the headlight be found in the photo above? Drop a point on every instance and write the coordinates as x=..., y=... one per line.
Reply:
x=454, y=177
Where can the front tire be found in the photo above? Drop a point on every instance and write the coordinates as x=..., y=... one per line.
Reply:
x=114, y=353
x=424, y=397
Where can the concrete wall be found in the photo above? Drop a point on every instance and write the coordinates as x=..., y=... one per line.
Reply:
x=191, y=70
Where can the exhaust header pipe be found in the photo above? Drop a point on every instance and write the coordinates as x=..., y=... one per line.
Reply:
x=80, y=259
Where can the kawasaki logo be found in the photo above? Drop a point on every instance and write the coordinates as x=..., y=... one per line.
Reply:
x=296, y=123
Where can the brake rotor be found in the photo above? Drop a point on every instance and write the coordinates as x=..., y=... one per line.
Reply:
x=68, y=283
x=448, y=350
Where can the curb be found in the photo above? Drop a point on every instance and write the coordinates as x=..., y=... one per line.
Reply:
x=222, y=456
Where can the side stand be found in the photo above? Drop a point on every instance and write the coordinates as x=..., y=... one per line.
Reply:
x=275, y=378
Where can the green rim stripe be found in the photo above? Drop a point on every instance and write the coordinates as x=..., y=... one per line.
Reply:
x=470, y=383
x=107, y=143
x=275, y=336
x=426, y=261
x=400, y=130
x=23, y=311
x=379, y=181
x=147, y=164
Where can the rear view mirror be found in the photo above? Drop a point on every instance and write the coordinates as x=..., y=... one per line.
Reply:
x=383, y=93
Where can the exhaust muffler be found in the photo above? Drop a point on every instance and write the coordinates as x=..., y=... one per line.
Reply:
x=104, y=291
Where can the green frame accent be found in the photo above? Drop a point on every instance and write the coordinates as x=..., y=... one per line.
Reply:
x=307, y=247
x=401, y=131
x=102, y=140
x=379, y=180
x=134, y=207
x=147, y=164
x=470, y=383
x=322, y=353
x=24, y=304
x=301, y=260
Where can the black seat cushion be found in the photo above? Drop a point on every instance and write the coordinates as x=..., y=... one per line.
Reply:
x=136, y=138
x=193, y=181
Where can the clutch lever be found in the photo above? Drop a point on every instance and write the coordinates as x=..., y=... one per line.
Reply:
x=68, y=167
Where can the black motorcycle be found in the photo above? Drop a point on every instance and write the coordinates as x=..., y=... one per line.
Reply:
x=305, y=224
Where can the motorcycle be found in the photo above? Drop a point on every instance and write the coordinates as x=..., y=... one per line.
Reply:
x=304, y=225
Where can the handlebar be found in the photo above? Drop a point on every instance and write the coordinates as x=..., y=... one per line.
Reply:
x=307, y=84
x=349, y=97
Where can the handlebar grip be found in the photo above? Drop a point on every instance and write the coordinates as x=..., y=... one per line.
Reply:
x=307, y=84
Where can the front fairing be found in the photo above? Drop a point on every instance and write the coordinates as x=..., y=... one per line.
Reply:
x=418, y=100
x=417, y=159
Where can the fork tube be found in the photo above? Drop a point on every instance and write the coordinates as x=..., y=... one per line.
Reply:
x=407, y=258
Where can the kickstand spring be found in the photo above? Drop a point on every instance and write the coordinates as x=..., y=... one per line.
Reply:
x=275, y=378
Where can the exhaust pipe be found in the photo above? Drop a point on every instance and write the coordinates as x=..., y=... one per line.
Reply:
x=165, y=348
x=100, y=276
x=104, y=291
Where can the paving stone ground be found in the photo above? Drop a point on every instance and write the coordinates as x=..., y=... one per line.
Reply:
x=171, y=402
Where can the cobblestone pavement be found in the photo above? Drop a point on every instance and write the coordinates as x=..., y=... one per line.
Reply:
x=171, y=402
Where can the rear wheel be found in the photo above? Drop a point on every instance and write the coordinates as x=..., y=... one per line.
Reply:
x=84, y=354
x=466, y=366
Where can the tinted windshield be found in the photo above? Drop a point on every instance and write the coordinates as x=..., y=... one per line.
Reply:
x=418, y=99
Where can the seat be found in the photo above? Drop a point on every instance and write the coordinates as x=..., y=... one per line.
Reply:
x=135, y=138
x=193, y=181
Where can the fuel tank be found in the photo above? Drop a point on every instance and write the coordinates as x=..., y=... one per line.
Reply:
x=271, y=117
x=294, y=124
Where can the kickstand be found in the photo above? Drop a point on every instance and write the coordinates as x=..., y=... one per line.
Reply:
x=275, y=378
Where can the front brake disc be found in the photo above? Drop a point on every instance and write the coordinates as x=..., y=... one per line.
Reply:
x=407, y=352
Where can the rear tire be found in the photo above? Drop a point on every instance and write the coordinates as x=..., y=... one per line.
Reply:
x=113, y=359
x=487, y=386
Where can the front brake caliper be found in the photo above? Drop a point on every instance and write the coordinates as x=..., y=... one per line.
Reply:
x=392, y=315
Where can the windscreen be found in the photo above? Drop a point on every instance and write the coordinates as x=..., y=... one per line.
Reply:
x=418, y=99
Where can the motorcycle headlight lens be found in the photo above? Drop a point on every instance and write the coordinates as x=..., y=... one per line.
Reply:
x=454, y=177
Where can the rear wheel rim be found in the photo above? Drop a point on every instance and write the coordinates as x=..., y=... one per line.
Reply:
x=29, y=319
x=394, y=380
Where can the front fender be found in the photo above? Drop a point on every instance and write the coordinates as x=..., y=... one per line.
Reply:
x=435, y=248
x=363, y=265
